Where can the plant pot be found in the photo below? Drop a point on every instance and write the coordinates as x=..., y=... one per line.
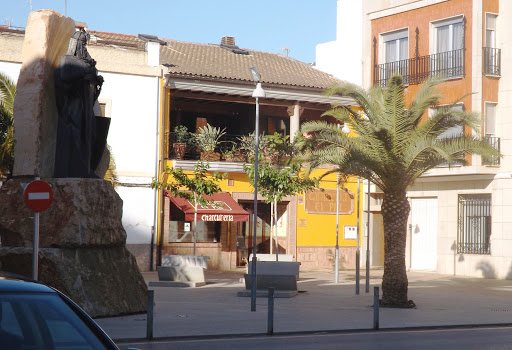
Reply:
x=179, y=150
x=270, y=157
x=235, y=157
x=210, y=156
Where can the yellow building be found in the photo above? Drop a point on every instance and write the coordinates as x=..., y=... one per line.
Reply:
x=208, y=84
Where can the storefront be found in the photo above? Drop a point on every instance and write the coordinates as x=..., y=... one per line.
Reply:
x=224, y=229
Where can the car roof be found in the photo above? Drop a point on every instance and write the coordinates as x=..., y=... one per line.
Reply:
x=14, y=283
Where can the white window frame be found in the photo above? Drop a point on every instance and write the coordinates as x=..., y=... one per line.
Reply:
x=487, y=15
x=494, y=132
x=441, y=23
x=394, y=35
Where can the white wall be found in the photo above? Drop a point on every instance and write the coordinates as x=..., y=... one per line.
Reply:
x=343, y=57
x=12, y=70
x=133, y=138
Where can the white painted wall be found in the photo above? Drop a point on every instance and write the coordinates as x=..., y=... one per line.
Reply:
x=133, y=138
x=343, y=57
x=12, y=70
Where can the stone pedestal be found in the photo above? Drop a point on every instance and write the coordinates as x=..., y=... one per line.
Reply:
x=82, y=243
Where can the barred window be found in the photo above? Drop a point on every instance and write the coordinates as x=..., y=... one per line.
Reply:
x=474, y=233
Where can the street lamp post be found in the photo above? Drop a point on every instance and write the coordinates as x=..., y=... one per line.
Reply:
x=257, y=93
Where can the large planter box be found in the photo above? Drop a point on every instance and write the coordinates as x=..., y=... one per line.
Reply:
x=279, y=268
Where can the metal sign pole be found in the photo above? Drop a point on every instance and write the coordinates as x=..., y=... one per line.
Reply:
x=35, y=259
x=35, y=251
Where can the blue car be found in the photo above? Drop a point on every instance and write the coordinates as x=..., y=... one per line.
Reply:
x=34, y=316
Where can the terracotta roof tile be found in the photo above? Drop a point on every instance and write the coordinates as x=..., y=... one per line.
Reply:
x=124, y=40
x=213, y=61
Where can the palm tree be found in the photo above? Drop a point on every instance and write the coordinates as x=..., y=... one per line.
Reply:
x=7, y=94
x=395, y=145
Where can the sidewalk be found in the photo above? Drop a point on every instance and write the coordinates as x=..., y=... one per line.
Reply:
x=321, y=305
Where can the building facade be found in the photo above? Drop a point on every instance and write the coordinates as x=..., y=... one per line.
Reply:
x=153, y=85
x=458, y=223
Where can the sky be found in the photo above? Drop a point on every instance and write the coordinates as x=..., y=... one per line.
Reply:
x=265, y=25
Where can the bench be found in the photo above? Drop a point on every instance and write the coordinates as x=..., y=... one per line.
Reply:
x=278, y=282
x=272, y=257
x=275, y=268
x=281, y=275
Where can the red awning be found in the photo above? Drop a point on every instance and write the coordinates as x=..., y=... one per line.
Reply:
x=225, y=208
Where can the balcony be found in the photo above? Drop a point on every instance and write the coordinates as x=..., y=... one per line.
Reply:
x=273, y=148
x=449, y=65
x=492, y=61
x=494, y=142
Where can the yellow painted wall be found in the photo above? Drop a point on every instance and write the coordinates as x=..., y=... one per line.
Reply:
x=320, y=229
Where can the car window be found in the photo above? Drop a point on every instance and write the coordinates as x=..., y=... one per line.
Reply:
x=42, y=321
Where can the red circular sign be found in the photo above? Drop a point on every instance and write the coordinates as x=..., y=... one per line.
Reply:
x=38, y=195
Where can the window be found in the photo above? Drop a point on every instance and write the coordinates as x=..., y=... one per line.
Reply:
x=448, y=57
x=207, y=231
x=490, y=133
x=396, y=46
x=492, y=55
x=454, y=130
x=451, y=132
x=474, y=231
x=490, y=30
x=490, y=119
x=395, y=55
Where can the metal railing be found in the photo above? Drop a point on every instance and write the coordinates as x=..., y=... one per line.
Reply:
x=474, y=232
x=449, y=64
x=492, y=61
x=494, y=142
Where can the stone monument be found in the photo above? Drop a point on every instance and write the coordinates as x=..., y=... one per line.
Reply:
x=82, y=241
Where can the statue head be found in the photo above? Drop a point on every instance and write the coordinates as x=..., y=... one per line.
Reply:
x=78, y=45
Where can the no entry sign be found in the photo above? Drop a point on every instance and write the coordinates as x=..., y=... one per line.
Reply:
x=38, y=195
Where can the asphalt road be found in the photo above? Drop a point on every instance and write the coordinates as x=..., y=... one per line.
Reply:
x=486, y=338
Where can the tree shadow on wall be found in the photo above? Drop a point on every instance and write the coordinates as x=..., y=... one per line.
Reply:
x=488, y=271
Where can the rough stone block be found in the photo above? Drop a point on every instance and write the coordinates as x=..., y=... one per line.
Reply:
x=84, y=212
x=185, y=260
x=35, y=113
x=103, y=281
x=181, y=274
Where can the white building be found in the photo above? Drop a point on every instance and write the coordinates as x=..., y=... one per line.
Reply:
x=459, y=221
x=131, y=98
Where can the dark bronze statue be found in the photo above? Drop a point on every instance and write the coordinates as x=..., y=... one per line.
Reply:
x=81, y=135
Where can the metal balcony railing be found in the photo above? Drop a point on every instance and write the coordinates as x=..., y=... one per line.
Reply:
x=494, y=142
x=450, y=64
x=492, y=61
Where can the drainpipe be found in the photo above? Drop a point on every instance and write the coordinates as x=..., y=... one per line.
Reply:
x=162, y=198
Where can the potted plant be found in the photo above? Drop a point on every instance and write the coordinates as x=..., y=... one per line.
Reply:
x=278, y=148
x=234, y=154
x=181, y=138
x=207, y=139
x=248, y=144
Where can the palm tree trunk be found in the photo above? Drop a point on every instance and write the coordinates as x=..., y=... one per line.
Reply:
x=395, y=211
